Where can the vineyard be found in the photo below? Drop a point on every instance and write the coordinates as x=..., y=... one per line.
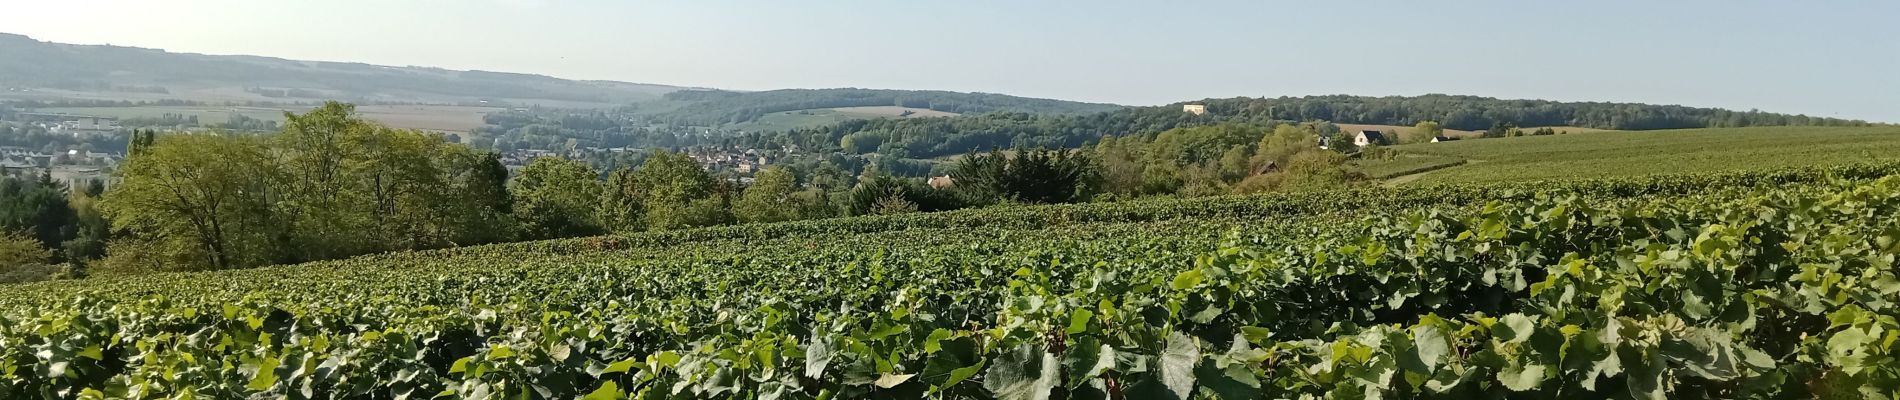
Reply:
x=1765, y=284
x=1626, y=154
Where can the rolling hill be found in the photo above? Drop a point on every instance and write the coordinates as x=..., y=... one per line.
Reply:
x=1611, y=154
x=33, y=69
x=720, y=107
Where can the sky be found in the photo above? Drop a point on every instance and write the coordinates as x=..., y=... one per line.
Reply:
x=1824, y=58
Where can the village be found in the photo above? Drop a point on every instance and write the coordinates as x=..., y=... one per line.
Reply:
x=70, y=151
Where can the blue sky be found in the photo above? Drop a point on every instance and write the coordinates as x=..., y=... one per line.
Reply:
x=1828, y=58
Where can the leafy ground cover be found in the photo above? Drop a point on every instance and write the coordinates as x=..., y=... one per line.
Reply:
x=1760, y=284
x=1638, y=153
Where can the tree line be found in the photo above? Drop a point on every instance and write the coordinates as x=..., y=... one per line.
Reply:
x=931, y=137
x=331, y=185
x=715, y=107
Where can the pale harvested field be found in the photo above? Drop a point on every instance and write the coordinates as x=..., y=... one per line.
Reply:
x=434, y=118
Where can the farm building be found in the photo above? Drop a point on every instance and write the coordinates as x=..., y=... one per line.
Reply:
x=1367, y=138
x=1437, y=139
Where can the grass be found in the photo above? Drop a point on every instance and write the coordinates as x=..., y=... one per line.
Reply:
x=1618, y=153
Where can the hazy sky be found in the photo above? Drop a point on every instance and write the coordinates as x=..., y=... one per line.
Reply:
x=1827, y=58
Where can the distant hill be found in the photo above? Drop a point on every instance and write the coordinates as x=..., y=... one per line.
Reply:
x=718, y=107
x=91, y=71
x=931, y=137
x=1475, y=113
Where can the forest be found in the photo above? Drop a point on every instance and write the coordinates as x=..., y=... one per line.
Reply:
x=930, y=137
x=331, y=185
x=716, y=107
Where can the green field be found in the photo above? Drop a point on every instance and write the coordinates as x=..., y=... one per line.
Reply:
x=1617, y=153
x=1631, y=288
x=1406, y=164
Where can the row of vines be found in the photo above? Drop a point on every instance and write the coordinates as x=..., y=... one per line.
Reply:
x=1755, y=285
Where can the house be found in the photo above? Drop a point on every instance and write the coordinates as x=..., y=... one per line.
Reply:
x=1368, y=138
x=1196, y=109
x=1437, y=139
x=940, y=182
x=1325, y=142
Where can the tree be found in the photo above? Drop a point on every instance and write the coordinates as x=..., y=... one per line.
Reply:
x=771, y=198
x=139, y=141
x=91, y=229
x=1317, y=170
x=198, y=202
x=555, y=198
x=673, y=190
x=38, y=207
x=1502, y=129
x=621, y=209
x=1032, y=176
x=22, y=259
x=329, y=204
x=1424, y=132
x=893, y=203
x=1279, y=146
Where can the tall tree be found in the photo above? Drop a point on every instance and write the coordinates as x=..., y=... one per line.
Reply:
x=330, y=206
x=22, y=259
x=198, y=201
x=477, y=198
x=555, y=198
x=1424, y=132
x=771, y=198
x=1031, y=176
x=675, y=192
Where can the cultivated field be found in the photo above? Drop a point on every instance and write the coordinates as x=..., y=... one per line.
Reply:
x=435, y=118
x=1695, y=285
x=1619, y=153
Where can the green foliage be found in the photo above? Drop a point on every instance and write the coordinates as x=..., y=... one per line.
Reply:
x=673, y=193
x=1759, y=285
x=200, y=201
x=930, y=137
x=39, y=208
x=714, y=107
x=771, y=198
x=22, y=259
x=1423, y=132
x=1406, y=164
x=330, y=185
x=1613, y=154
x=555, y=197
x=1039, y=176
